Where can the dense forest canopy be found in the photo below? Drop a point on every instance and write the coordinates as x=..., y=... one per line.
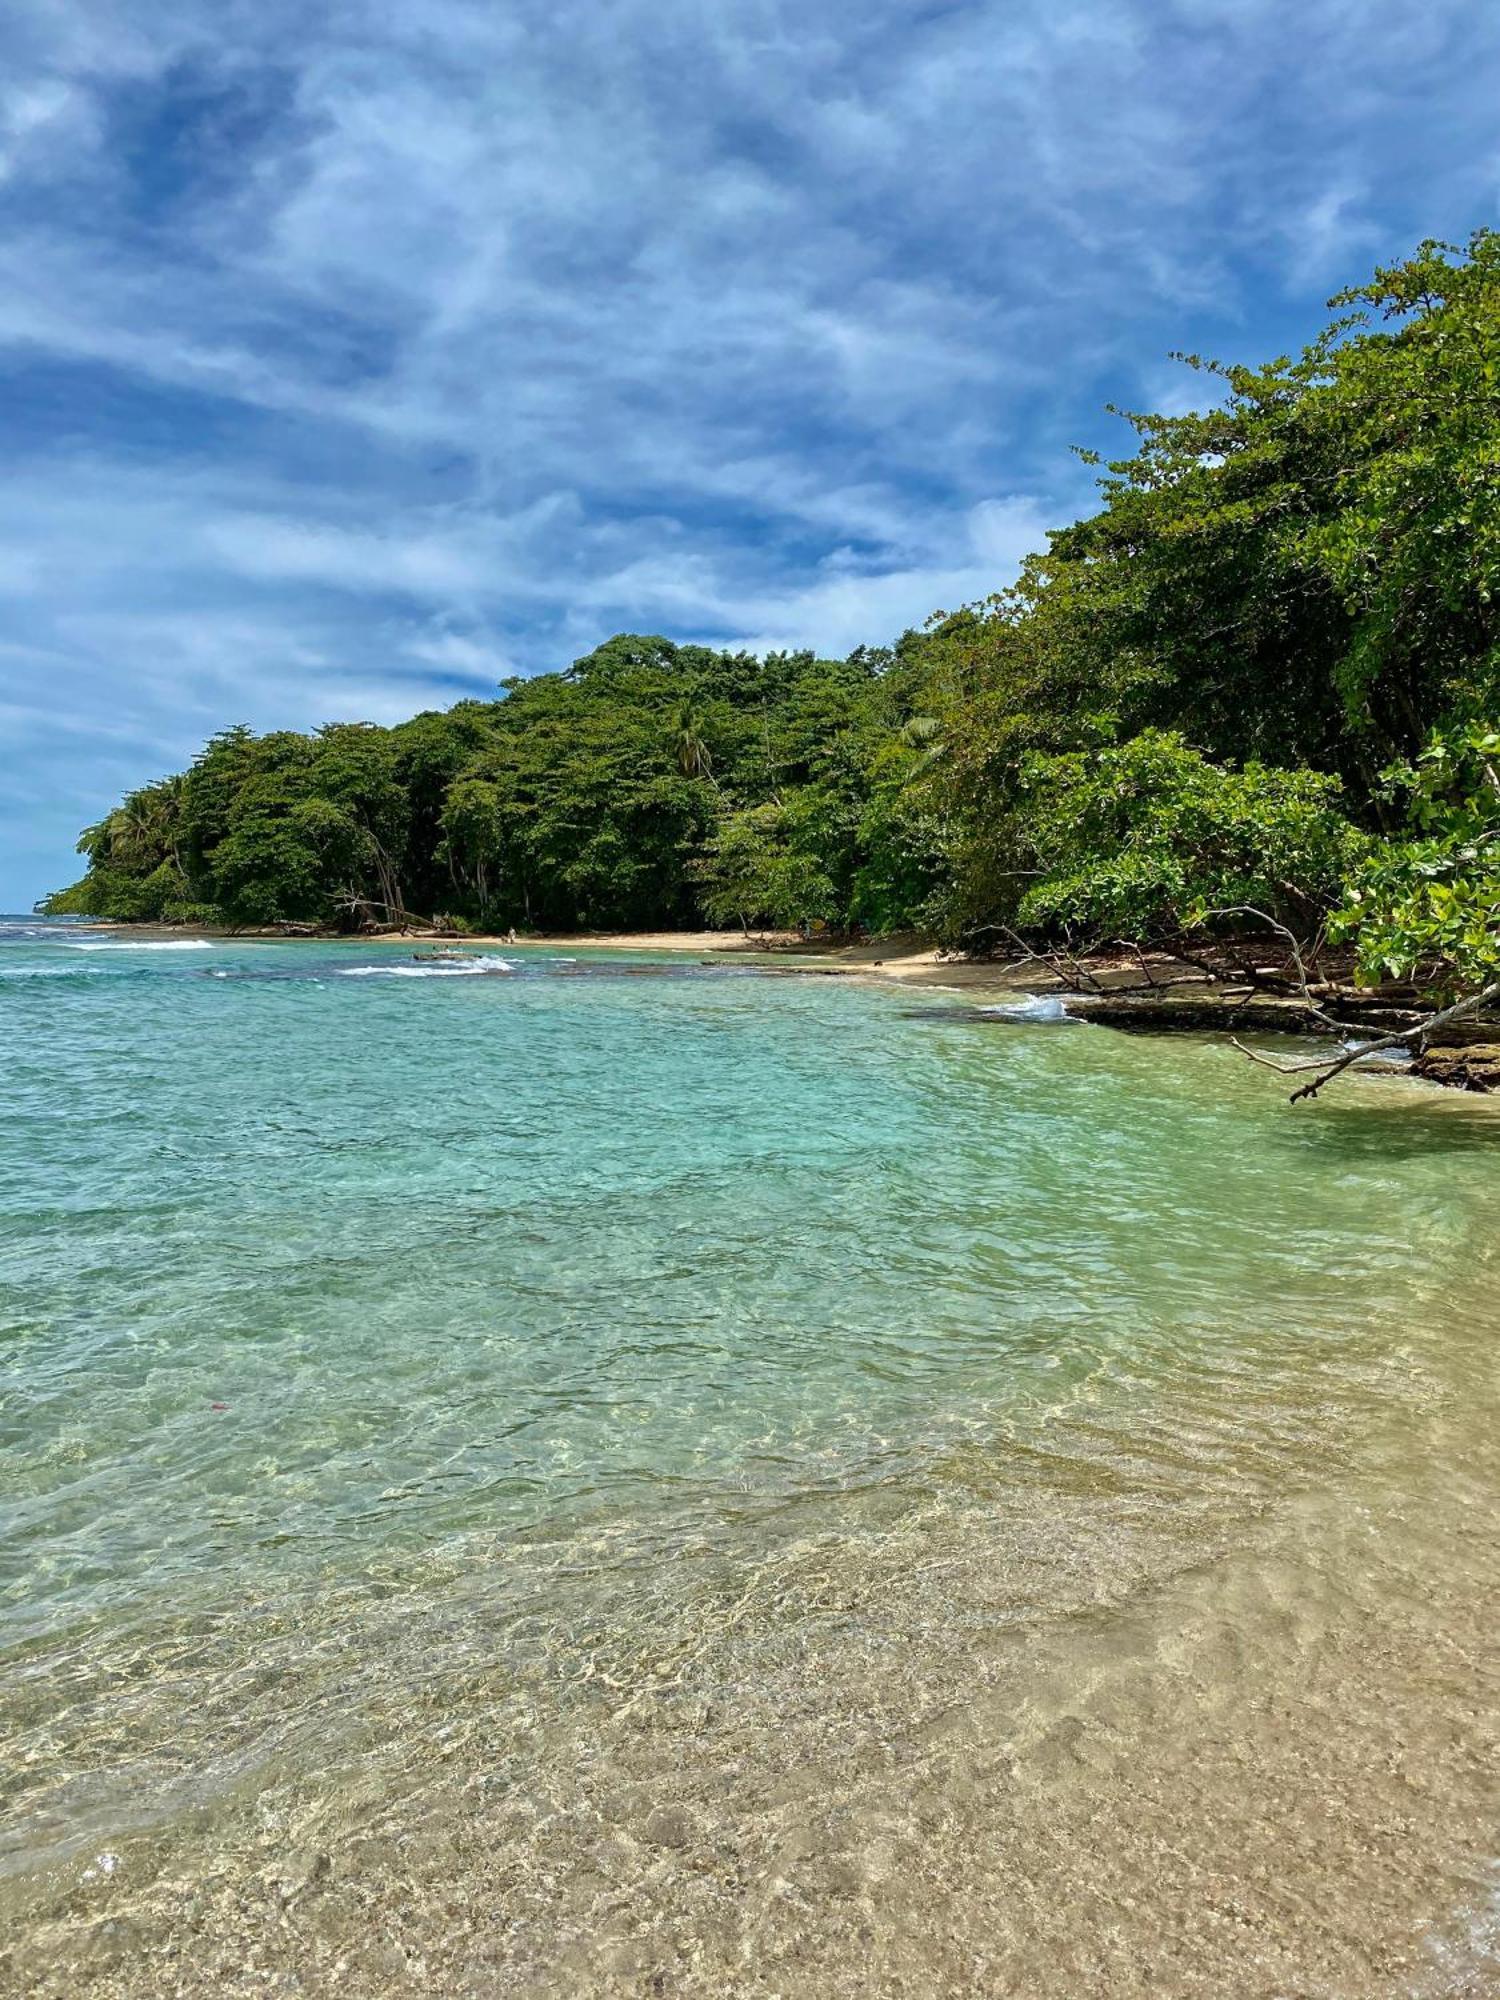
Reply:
x=1265, y=672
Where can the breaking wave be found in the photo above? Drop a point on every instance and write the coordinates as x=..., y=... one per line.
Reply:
x=464, y=969
x=1033, y=1007
x=133, y=944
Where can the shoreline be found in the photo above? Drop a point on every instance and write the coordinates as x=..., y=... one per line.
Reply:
x=1152, y=992
x=906, y=958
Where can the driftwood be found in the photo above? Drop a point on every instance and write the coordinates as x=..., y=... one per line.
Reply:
x=399, y=918
x=1407, y=1038
x=1298, y=996
x=1413, y=1037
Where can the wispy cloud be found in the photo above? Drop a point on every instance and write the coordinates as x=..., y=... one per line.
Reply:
x=357, y=357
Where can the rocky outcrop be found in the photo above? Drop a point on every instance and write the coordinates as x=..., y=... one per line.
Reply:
x=1208, y=1007
x=1476, y=1067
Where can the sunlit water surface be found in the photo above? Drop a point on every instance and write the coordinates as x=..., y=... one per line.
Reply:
x=573, y=1473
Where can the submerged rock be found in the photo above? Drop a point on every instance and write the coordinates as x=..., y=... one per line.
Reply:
x=296, y=1874
x=669, y=1826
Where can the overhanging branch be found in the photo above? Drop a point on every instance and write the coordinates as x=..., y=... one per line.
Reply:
x=1402, y=1038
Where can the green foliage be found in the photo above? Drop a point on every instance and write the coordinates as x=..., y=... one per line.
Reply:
x=1305, y=574
x=1427, y=906
x=903, y=835
x=1152, y=838
x=1186, y=701
x=762, y=867
x=587, y=798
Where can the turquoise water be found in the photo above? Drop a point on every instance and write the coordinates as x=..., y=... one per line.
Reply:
x=361, y=1309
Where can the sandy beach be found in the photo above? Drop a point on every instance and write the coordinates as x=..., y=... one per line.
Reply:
x=908, y=958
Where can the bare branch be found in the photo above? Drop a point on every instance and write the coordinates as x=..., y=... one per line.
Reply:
x=1055, y=962
x=1402, y=1038
x=1293, y=1068
x=1318, y=1014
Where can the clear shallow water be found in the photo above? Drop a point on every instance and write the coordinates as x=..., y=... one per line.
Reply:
x=471, y=1437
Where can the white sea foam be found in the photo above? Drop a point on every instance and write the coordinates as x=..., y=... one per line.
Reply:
x=1032, y=1007
x=133, y=944
x=462, y=969
x=1396, y=1058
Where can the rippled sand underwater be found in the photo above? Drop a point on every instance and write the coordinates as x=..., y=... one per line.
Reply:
x=725, y=1489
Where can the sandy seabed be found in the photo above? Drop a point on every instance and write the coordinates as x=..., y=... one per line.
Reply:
x=1231, y=1735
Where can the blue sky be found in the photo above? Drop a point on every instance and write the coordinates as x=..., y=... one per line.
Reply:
x=357, y=354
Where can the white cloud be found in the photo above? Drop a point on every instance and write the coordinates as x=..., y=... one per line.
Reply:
x=276, y=550
x=1331, y=237
x=363, y=354
x=463, y=658
x=1003, y=531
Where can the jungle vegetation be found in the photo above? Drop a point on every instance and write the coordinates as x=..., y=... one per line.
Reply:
x=1264, y=674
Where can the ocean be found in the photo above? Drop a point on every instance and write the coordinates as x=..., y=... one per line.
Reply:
x=581, y=1471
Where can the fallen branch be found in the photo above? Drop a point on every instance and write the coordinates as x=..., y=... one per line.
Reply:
x=1271, y=923
x=1414, y=1035
x=402, y=919
x=1055, y=961
x=1403, y=1038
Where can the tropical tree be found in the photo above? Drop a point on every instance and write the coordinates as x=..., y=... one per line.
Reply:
x=755, y=872
x=1425, y=906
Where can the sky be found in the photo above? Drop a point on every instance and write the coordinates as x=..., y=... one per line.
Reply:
x=355, y=355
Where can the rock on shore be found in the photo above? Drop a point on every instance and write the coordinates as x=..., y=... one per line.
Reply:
x=1474, y=1068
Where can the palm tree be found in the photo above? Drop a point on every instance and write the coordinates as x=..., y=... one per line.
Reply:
x=95, y=841
x=924, y=734
x=145, y=830
x=694, y=758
